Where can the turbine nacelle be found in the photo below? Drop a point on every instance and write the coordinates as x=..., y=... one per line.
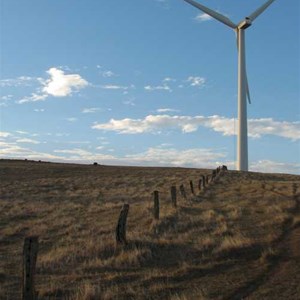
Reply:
x=245, y=24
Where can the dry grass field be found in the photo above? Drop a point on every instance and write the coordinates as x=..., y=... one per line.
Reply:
x=237, y=239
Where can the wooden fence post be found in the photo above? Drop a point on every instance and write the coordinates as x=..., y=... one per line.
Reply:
x=207, y=179
x=192, y=187
x=156, y=204
x=203, y=181
x=199, y=184
x=213, y=175
x=121, y=226
x=173, y=195
x=295, y=187
x=30, y=251
x=182, y=191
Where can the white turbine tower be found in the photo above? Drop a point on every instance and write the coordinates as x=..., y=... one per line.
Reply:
x=243, y=88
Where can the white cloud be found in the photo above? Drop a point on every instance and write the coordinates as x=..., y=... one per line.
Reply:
x=116, y=87
x=108, y=74
x=77, y=151
x=27, y=141
x=39, y=110
x=13, y=151
x=151, y=157
x=163, y=87
x=157, y=123
x=90, y=110
x=84, y=156
x=129, y=101
x=172, y=157
x=20, y=81
x=268, y=166
x=6, y=97
x=202, y=17
x=33, y=98
x=4, y=134
x=72, y=119
x=168, y=83
x=105, y=73
x=164, y=145
x=61, y=134
x=77, y=142
x=196, y=81
x=169, y=79
x=22, y=132
x=61, y=84
x=154, y=156
x=123, y=126
x=264, y=126
x=165, y=110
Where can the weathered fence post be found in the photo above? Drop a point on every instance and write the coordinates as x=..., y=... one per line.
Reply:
x=173, y=195
x=295, y=187
x=214, y=174
x=30, y=251
x=156, y=204
x=199, y=184
x=182, y=191
x=121, y=226
x=192, y=186
x=203, y=181
x=207, y=179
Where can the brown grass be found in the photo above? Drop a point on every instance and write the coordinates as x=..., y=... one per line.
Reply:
x=213, y=245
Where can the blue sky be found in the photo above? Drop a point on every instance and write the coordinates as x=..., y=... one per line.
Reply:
x=147, y=82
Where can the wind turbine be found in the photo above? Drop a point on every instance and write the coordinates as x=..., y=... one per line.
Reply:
x=243, y=88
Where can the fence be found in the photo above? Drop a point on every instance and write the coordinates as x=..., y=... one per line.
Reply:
x=31, y=243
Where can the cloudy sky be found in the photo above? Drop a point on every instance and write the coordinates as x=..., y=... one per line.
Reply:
x=147, y=82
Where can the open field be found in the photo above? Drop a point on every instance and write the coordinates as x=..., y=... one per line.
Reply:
x=237, y=239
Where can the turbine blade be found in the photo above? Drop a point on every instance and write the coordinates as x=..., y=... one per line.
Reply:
x=212, y=13
x=246, y=76
x=247, y=87
x=260, y=10
x=237, y=39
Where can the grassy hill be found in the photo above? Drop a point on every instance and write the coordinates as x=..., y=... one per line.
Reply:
x=239, y=238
